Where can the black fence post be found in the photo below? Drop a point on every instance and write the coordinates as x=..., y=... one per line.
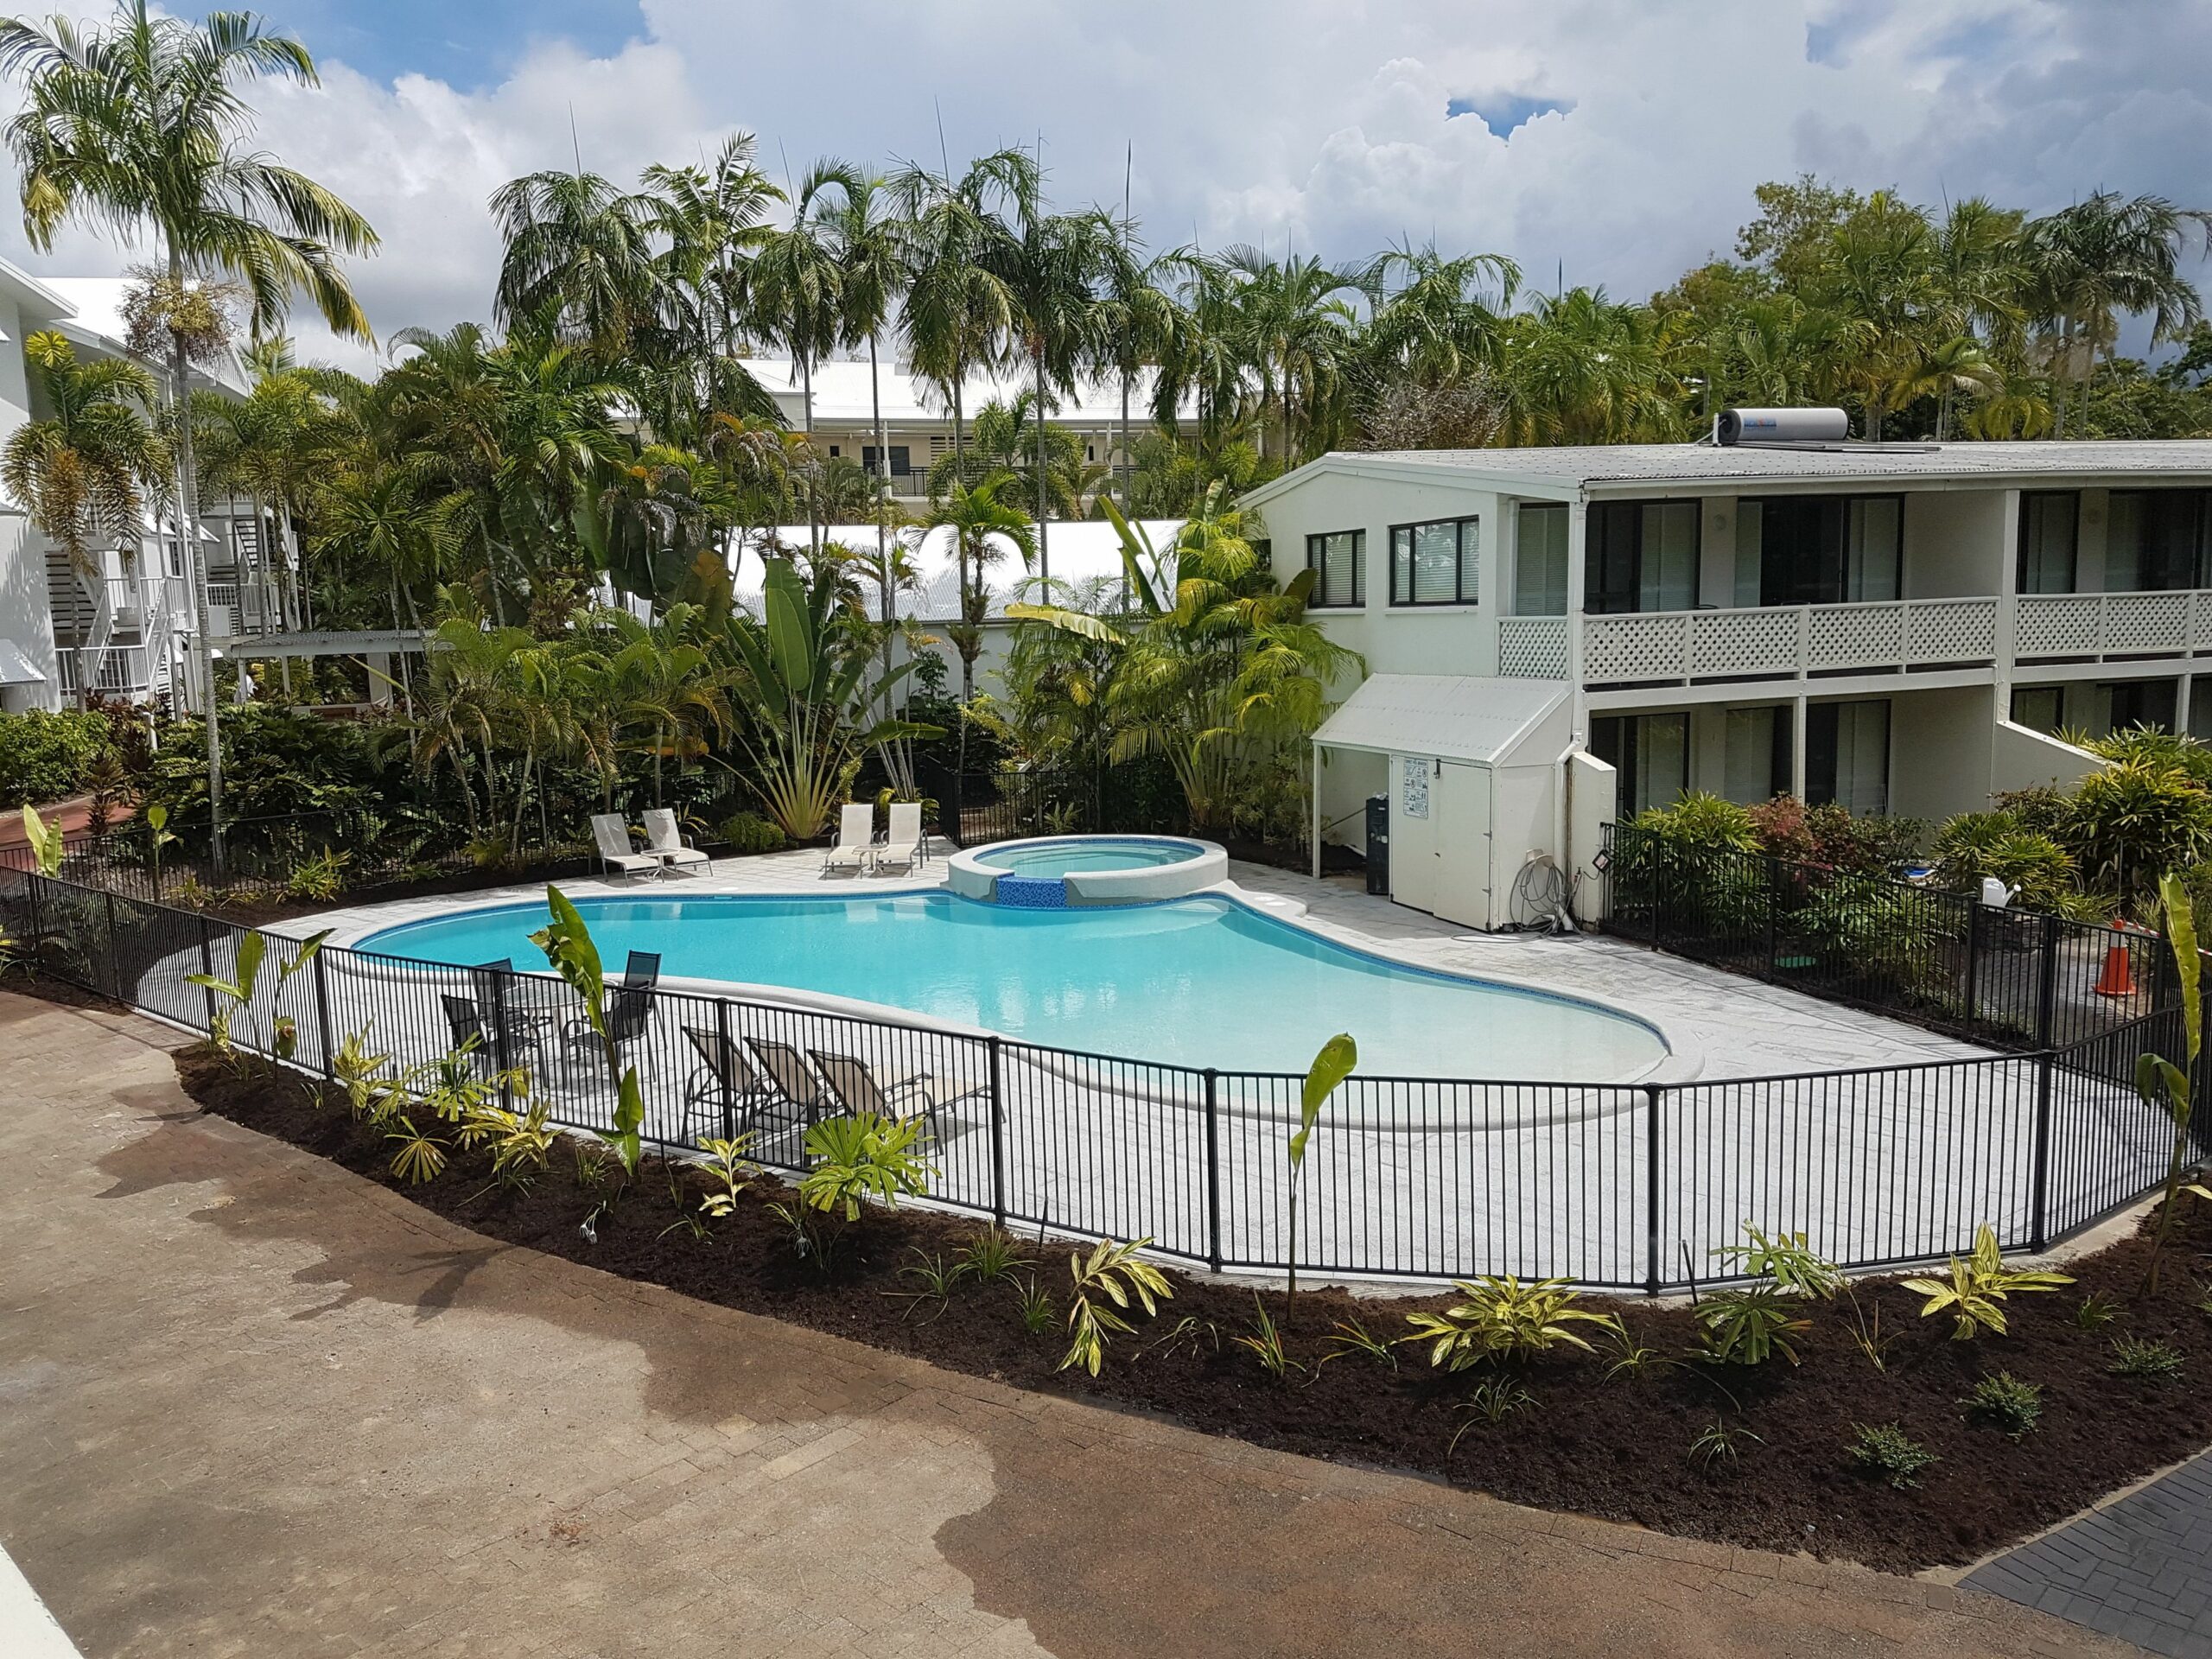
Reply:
x=1974, y=939
x=323, y=1026
x=114, y=954
x=998, y=1134
x=2039, y=1233
x=2047, y=985
x=1654, y=1096
x=722, y=1073
x=1773, y=910
x=1213, y=1170
x=207, y=966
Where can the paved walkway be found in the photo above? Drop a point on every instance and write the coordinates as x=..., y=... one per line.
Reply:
x=2139, y=1568
x=252, y=1405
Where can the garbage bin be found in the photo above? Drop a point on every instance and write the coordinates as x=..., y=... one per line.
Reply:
x=1378, y=845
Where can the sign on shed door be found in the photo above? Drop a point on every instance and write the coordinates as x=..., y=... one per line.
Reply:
x=1413, y=832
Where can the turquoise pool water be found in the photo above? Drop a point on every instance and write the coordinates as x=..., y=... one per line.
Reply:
x=1192, y=981
x=1046, y=858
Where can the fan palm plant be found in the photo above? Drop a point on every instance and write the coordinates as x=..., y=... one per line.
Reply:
x=985, y=525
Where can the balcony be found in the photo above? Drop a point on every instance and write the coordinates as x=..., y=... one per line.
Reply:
x=1785, y=641
x=2171, y=623
x=110, y=671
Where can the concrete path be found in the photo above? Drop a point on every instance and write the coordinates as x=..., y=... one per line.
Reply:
x=2139, y=1567
x=252, y=1405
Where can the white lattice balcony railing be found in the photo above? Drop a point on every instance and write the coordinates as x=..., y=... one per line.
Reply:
x=1532, y=647
x=1787, y=640
x=2114, y=625
x=113, y=670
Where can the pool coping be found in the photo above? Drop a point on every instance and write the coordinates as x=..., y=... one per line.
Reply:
x=1683, y=1060
x=970, y=873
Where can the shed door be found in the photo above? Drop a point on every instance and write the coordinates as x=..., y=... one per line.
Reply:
x=1461, y=855
x=1413, y=830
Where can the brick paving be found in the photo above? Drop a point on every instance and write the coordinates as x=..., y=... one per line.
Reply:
x=2139, y=1568
x=252, y=1405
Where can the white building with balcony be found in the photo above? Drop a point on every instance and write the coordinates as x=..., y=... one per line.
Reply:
x=121, y=628
x=1896, y=628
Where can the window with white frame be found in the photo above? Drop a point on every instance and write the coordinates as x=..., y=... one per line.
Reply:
x=1338, y=560
x=1436, y=563
x=1540, y=559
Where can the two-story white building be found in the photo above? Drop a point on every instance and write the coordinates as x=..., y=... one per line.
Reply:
x=1559, y=635
x=121, y=628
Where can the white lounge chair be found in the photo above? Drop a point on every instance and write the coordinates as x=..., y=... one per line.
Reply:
x=666, y=843
x=918, y=1094
x=855, y=842
x=613, y=837
x=903, y=844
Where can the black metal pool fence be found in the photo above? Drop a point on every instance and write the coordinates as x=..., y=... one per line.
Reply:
x=1630, y=1186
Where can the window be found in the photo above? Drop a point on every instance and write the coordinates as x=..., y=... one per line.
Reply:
x=2048, y=521
x=1831, y=550
x=2138, y=703
x=902, y=459
x=1755, y=761
x=832, y=451
x=1651, y=753
x=1540, y=560
x=1847, y=755
x=1338, y=560
x=2039, y=707
x=1643, y=556
x=1437, y=564
x=2158, y=539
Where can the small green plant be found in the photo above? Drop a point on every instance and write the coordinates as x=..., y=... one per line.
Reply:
x=1787, y=1261
x=2005, y=1403
x=1188, y=1332
x=2095, y=1312
x=1889, y=1454
x=46, y=844
x=521, y=1144
x=937, y=1277
x=1265, y=1342
x=1489, y=1403
x=1631, y=1359
x=688, y=1222
x=1503, y=1318
x=863, y=1156
x=1035, y=1305
x=318, y=879
x=2159, y=1081
x=1113, y=1273
x=730, y=1171
x=992, y=1257
x=1749, y=1327
x=230, y=995
x=158, y=836
x=421, y=1158
x=1866, y=1332
x=1977, y=1285
x=1349, y=1337
x=1720, y=1446
x=361, y=1072
x=2143, y=1357
x=1330, y=1068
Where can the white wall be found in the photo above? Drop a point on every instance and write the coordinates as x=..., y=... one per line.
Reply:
x=1954, y=545
x=2027, y=759
x=1592, y=792
x=1940, y=752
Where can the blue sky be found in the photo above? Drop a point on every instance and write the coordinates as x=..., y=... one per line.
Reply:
x=1617, y=140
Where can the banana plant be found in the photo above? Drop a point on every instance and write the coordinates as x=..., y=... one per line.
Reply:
x=804, y=688
x=2159, y=1081
x=568, y=945
x=45, y=844
x=236, y=992
x=158, y=836
x=1330, y=1068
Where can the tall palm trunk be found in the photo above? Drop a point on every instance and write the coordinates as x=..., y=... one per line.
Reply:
x=1125, y=458
x=188, y=503
x=813, y=459
x=1044, y=509
x=882, y=511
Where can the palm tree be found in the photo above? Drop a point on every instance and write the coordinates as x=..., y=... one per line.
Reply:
x=983, y=525
x=1293, y=324
x=579, y=251
x=958, y=311
x=2098, y=260
x=1583, y=369
x=712, y=218
x=1135, y=322
x=142, y=129
x=796, y=284
x=1439, y=324
x=83, y=473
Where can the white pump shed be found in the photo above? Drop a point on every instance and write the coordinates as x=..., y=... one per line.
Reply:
x=1476, y=784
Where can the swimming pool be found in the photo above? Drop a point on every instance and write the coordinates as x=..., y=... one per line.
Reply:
x=1194, y=981
x=1079, y=854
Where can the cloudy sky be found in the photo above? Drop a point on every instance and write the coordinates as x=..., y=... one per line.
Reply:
x=1617, y=140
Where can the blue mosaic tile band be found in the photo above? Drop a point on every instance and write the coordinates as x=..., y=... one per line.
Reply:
x=1032, y=892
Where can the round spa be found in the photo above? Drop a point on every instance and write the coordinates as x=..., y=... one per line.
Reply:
x=1058, y=872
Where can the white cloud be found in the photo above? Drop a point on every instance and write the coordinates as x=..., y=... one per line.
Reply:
x=1316, y=121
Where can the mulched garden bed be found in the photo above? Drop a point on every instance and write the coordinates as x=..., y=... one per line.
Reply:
x=1618, y=1448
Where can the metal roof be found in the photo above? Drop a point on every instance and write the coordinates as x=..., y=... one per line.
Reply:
x=1451, y=717
x=1601, y=465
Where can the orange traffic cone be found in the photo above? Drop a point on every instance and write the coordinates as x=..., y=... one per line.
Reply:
x=2118, y=976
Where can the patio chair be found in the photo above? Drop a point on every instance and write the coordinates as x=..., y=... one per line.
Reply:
x=918, y=1094
x=798, y=1085
x=503, y=1027
x=726, y=1082
x=903, y=844
x=629, y=1011
x=612, y=836
x=642, y=971
x=666, y=843
x=855, y=842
